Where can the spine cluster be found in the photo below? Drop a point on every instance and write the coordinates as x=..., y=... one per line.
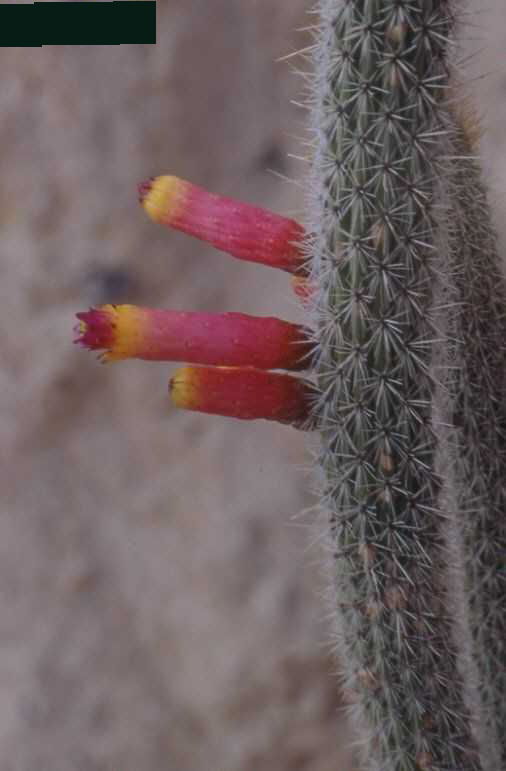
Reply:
x=409, y=330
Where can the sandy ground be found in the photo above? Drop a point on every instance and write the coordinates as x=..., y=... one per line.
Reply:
x=161, y=600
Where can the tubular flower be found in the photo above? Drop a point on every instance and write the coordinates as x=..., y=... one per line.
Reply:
x=240, y=229
x=247, y=394
x=241, y=349
x=234, y=339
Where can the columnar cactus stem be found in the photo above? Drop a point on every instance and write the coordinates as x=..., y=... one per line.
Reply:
x=476, y=481
x=385, y=135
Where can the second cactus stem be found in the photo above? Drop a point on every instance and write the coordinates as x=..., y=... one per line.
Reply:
x=409, y=357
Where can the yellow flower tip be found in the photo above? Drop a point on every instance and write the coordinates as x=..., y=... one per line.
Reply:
x=184, y=388
x=163, y=198
x=116, y=330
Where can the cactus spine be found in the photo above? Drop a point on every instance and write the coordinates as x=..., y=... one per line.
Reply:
x=409, y=327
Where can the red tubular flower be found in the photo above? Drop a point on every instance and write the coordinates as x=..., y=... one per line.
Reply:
x=234, y=339
x=242, y=348
x=244, y=231
x=247, y=394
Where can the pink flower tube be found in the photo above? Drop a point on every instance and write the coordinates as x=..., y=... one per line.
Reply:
x=233, y=339
x=248, y=394
x=240, y=229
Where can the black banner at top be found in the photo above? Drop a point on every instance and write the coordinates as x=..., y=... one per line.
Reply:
x=78, y=23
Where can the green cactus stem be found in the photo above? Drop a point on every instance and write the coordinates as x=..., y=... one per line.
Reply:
x=474, y=434
x=410, y=371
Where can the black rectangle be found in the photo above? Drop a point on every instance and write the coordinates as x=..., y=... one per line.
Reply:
x=17, y=27
x=78, y=23
x=137, y=21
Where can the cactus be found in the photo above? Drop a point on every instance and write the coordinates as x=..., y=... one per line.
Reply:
x=476, y=484
x=409, y=332
x=406, y=341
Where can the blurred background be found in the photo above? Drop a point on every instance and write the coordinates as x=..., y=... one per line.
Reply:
x=162, y=602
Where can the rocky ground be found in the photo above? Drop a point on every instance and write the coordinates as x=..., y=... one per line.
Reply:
x=161, y=599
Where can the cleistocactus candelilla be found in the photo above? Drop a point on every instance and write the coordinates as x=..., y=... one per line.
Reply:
x=404, y=351
x=409, y=326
